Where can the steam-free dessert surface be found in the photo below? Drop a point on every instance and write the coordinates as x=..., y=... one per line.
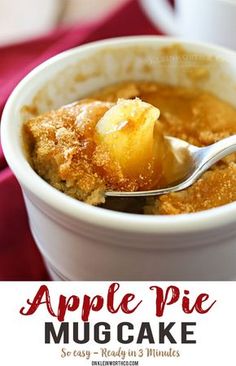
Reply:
x=63, y=148
x=91, y=146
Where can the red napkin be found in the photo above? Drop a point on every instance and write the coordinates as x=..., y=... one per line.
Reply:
x=19, y=256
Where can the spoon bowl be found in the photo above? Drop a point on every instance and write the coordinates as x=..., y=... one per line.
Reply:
x=197, y=161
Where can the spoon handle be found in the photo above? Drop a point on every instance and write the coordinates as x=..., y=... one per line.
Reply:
x=203, y=159
x=209, y=155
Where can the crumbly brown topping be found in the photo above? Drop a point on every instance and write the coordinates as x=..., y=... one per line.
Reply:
x=64, y=151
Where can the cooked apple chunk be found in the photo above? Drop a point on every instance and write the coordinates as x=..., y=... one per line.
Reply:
x=132, y=135
x=95, y=146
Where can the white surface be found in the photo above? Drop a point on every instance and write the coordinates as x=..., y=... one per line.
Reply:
x=80, y=10
x=87, y=243
x=22, y=19
x=203, y=20
x=214, y=331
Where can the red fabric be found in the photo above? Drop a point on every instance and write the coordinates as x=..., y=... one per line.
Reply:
x=19, y=257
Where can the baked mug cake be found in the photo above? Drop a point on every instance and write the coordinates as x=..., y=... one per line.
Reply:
x=95, y=119
x=112, y=142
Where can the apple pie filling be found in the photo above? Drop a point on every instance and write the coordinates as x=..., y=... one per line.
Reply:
x=115, y=140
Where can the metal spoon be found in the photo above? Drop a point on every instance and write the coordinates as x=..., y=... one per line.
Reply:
x=201, y=159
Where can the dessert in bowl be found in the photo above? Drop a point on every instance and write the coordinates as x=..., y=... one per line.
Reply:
x=62, y=110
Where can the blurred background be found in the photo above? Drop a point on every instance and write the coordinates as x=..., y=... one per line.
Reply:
x=22, y=19
x=203, y=20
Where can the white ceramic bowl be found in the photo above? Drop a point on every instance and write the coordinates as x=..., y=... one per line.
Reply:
x=81, y=242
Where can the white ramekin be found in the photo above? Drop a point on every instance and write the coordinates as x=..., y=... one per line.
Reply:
x=81, y=242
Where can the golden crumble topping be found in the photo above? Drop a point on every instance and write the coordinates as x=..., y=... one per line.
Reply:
x=66, y=149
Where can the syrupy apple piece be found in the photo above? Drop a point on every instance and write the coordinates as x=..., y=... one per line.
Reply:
x=132, y=134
